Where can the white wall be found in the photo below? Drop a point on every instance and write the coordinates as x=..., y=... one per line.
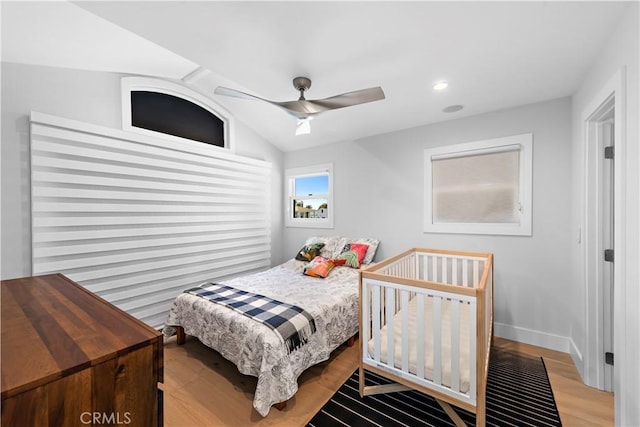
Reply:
x=379, y=192
x=93, y=97
x=621, y=51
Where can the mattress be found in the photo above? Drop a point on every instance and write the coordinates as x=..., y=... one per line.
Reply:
x=445, y=333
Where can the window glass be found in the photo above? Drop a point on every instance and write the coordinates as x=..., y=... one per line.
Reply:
x=174, y=112
x=309, y=192
x=309, y=185
x=175, y=116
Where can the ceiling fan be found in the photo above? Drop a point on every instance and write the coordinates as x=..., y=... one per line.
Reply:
x=303, y=109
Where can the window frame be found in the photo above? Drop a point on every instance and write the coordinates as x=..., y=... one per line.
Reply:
x=524, y=143
x=133, y=84
x=289, y=195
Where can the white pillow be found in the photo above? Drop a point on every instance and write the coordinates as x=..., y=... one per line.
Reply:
x=332, y=245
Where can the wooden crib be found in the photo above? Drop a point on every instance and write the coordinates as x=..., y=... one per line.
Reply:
x=426, y=323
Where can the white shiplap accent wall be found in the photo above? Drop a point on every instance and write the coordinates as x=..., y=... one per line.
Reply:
x=137, y=219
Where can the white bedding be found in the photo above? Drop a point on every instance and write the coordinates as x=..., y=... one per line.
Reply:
x=428, y=340
x=257, y=350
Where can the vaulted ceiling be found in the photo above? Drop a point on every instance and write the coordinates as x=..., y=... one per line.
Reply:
x=494, y=55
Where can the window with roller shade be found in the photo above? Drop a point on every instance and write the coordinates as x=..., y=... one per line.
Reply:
x=482, y=187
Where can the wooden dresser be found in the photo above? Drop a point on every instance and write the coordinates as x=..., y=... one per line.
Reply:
x=69, y=358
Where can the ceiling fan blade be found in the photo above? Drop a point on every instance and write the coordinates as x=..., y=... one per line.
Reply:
x=308, y=108
x=301, y=108
x=221, y=90
x=350, y=98
x=298, y=109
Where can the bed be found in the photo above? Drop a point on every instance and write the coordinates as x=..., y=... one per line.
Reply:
x=426, y=323
x=253, y=347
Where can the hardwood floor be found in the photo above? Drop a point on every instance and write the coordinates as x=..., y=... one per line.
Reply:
x=201, y=388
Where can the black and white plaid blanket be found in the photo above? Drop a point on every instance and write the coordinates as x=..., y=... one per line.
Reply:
x=291, y=323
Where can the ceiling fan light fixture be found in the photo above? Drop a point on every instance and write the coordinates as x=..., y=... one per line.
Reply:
x=304, y=126
x=440, y=85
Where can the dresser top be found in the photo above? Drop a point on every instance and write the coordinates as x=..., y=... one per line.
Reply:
x=53, y=327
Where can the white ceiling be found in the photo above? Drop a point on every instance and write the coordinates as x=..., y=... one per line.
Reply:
x=494, y=55
x=60, y=34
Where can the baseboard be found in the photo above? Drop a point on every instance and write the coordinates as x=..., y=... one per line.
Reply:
x=576, y=356
x=530, y=336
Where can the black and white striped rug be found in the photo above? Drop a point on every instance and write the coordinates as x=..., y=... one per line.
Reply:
x=518, y=394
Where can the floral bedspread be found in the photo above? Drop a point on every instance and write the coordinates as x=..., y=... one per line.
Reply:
x=257, y=350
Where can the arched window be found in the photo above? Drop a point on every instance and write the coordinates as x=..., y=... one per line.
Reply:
x=170, y=110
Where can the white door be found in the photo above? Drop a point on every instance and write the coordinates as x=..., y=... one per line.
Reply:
x=599, y=244
x=608, y=158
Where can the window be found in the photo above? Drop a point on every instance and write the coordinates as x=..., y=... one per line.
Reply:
x=481, y=187
x=175, y=116
x=169, y=110
x=309, y=192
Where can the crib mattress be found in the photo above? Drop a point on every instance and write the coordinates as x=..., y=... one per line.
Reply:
x=445, y=331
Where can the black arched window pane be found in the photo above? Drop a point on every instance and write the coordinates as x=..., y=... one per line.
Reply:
x=176, y=116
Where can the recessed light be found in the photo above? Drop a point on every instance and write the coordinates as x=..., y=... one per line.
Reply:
x=441, y=85
x=452, y=108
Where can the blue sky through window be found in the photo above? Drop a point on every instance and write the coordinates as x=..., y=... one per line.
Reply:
x=312, y=185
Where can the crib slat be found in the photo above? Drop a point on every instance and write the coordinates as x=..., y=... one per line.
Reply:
x=476, y=276
x=454, y=271
x=377, y=312
x=445, y=270
x=455, y=345
x=420, y=331
x=434, y=270
x=437, y=340
x=365, y=312
x=465, y=272
x=472, y=347
x=390, y=304
x=404, y=307
x=425, y=268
